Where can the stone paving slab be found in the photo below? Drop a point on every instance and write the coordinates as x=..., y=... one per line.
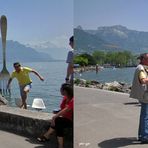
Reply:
x=11, y=140
x=105, y=119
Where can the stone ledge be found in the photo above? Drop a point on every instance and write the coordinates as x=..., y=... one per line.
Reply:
x=30, y=123
x=24, y=121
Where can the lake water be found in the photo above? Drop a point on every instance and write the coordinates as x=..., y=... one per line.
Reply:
x=109, y=75
x=49, y=90
x=54, y=74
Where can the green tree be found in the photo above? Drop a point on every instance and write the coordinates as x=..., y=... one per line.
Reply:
x=80, y=60
x=91, y=60
x=99, y=57
x=121, y=59
x=110, y=58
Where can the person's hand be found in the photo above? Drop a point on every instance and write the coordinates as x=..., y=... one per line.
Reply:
x=67, y=80
x=53, y=121
x=41, y=78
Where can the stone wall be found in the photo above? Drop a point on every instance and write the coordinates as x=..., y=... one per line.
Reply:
x=112, y=86
x=26, y=122
x=23, y=121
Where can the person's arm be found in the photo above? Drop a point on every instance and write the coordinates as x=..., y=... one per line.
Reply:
x=144, y=81
x=143, y=78
x=69, y=71
x=68, y=108
x=37, y=74
x=60, y=113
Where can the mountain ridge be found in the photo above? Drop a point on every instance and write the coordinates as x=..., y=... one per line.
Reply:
x=16, y=51
x=114, y=38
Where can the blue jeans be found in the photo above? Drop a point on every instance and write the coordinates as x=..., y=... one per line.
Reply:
x=143, y=123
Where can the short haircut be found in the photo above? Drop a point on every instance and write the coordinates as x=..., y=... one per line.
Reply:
x=71, y=39
x=16, y=64
x=141, y=56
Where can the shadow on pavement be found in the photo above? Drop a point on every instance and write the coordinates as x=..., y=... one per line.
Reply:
x=133, y=103
x=118, y=142
x=51, y=143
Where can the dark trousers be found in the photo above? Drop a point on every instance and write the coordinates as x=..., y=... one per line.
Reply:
x=60, y=124
x=143, y=123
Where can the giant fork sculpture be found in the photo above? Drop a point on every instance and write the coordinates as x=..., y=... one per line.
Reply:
x=4, y=74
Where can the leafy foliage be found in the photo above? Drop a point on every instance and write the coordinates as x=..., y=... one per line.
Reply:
x=118, y=59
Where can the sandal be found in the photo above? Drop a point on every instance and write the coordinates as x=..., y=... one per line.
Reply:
x=42, y=139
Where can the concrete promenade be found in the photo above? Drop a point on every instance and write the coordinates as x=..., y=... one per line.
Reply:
x=11, y=140
x=105, y=119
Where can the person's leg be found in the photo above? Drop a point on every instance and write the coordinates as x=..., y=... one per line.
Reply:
x=46, y=136
x=144, y=122
x=60, y=142
x=71, y=79
x=49, y=132
x=24, y=91
x=24, y=98
x=22, y=95
x=60, y=125
x=140, y=130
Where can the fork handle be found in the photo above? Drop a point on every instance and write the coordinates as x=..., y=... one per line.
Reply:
x=4, y=34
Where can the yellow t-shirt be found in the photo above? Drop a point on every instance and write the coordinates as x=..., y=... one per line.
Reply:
x=23, y=76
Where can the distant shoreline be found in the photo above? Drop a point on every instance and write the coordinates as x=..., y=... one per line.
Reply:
x=93, y=68
x=112, y=86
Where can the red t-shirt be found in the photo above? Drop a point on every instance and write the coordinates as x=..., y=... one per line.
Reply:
x=68, y=104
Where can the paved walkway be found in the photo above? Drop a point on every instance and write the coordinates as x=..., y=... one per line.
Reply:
x=105, y=119
x=10, y=140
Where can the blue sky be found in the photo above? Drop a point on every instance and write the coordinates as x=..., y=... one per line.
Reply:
x=94, y=13
x=34, y=21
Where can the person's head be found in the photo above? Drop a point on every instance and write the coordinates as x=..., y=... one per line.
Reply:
x=17, y=66
x=71, y=41
x=143, y=59
x=67, y=90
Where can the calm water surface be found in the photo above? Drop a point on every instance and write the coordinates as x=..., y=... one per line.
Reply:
x=54, y=74
x=109, y=75
x=49, y=90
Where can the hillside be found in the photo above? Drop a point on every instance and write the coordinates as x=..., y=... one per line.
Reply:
x=19, y=52
x=111, y=38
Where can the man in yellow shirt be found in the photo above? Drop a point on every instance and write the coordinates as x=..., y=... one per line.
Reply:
x=22, y=75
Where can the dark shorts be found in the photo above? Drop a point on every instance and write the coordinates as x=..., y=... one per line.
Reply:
x=60, y=124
